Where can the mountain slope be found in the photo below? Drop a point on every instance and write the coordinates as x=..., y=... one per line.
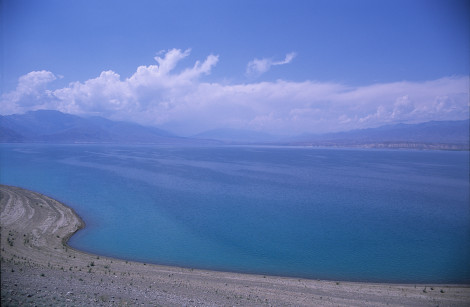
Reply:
x=46, y=126
x=433, y=132
x=236, y=136
x=56, y=127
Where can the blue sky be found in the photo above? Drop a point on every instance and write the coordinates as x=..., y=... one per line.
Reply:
x=283, y=67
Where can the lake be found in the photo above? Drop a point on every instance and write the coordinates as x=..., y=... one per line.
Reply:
x=337, y=214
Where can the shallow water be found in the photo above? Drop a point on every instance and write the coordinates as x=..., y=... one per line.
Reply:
x=362, y=215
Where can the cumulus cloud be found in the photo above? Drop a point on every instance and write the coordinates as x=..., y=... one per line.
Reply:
x=258, y=67
x=30, y=93
x=147, y=95
x=184, y=103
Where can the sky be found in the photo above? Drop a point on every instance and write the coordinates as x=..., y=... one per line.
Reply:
x=283, y=67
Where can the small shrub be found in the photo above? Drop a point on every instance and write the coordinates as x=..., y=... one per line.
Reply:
x=103, y=298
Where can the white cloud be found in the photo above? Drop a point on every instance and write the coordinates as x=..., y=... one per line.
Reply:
x=30, y=93
x=287, y=60
x=168, y=63
x=182, y=102
x=145, y=96
x=258, y=67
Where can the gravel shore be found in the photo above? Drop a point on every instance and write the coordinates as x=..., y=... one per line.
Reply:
x=39, y=269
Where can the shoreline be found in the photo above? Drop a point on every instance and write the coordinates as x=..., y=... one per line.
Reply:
x=38, y=267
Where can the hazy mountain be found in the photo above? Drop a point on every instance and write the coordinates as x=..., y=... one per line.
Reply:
x=8, y=135
x=428, y=133
x=56, y=127
x=433, y=132
x=48, y=126
x=237, y=136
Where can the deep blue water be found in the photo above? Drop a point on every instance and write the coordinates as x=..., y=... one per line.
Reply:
x=360, y=215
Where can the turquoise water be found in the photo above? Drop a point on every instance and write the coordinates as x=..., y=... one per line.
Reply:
x=359, y=215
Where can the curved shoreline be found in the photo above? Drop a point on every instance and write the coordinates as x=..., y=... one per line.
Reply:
x=39, y=268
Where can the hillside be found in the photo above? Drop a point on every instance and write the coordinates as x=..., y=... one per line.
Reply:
x=47, y=126
x=428, y=135
x=236, y=136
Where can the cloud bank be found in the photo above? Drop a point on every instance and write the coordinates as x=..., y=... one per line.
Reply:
x=184, y=103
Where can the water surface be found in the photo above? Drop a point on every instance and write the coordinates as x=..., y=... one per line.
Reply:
x=360, y=215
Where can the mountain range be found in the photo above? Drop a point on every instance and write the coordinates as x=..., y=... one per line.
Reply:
x=237, y=136
x=48, y=126
x=433, y=132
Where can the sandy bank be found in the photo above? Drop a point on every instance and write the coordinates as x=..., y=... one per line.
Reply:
x=38, y=268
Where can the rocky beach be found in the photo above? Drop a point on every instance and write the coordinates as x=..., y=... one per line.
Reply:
x=38, y=268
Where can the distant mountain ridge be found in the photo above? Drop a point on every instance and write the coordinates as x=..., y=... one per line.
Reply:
x=427, y=135
x=445, y=132
x=48, y=126
x=237, y=136
x=433, y=134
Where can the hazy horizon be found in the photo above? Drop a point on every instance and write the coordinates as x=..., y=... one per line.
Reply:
x=281, y=67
